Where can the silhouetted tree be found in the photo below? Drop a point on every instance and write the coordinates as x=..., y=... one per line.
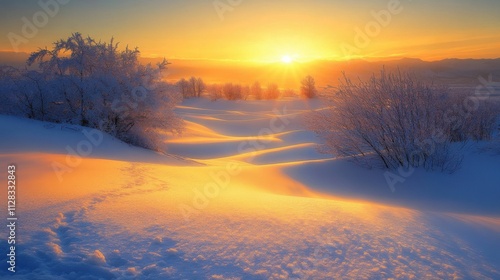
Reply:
x=272, y=92
x=308, y=87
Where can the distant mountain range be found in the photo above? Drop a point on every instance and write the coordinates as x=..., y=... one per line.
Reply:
x=326, y=72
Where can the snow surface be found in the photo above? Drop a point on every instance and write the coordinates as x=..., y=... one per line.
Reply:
x=228, y=204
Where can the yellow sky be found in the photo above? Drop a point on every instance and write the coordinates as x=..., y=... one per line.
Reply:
x=260, y=30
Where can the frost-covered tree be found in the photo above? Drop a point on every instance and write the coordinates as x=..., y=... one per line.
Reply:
x=98, y=85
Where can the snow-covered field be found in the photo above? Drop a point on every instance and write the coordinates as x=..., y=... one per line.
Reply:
x=243, y=194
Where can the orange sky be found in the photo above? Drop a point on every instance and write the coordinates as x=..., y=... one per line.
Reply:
x=260, y=30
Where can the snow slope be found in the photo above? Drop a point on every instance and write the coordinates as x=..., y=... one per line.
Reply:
x=255, y=207
x=30, y=136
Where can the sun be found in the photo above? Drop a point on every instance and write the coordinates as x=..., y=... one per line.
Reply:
x=286, y=59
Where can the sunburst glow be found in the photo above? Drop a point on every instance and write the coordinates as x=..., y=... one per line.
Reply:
x=286, y=59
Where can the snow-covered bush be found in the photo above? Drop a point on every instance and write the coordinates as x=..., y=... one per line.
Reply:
x=394, y=121
x=82, y=81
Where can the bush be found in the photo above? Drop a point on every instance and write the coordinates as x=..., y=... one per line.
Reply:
x=395, y=121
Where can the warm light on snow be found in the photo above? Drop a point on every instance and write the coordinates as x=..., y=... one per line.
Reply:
x=244, y=209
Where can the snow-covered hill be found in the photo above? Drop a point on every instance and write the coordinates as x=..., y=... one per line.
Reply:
x=243, y=194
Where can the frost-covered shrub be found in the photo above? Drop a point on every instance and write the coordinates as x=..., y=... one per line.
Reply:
x=395, y=120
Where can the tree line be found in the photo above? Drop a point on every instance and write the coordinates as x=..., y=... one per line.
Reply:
x=195, y=87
